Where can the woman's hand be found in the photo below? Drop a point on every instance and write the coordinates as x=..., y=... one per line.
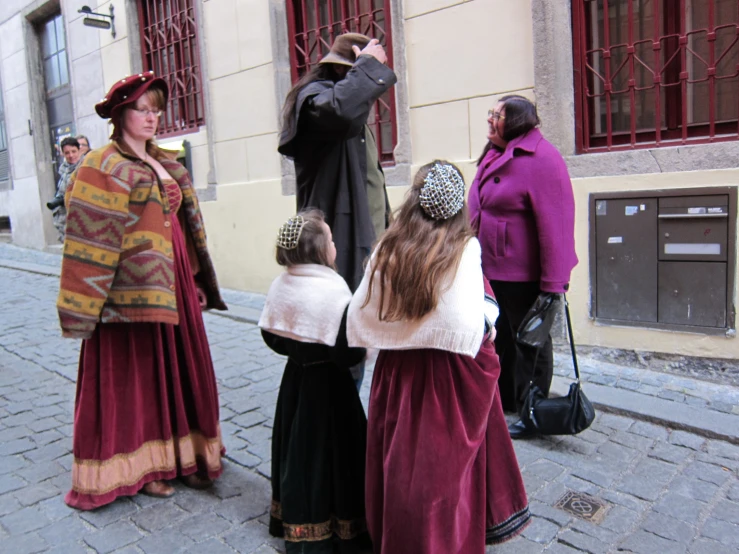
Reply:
x=202, y=297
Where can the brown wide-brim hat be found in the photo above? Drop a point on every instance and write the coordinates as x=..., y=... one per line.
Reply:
x=341, y=50
x=127, y=91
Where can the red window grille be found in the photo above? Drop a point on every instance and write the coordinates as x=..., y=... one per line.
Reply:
x=655, y=72
x=312, y=27
x=169, y=44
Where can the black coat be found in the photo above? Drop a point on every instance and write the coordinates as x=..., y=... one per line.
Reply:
x=327, y=144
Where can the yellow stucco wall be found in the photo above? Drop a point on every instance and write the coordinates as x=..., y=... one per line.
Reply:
x=242, y=227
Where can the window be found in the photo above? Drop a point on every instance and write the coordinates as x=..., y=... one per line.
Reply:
x=53, y=51
x=655, y=72
x=58, y=92
x=312, y=27
x=169, y=46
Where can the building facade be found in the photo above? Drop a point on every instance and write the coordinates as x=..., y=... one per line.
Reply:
x=640, y=96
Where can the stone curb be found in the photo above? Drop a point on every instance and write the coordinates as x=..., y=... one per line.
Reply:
x=241, y=314
x=701, y=421
x=39, y=269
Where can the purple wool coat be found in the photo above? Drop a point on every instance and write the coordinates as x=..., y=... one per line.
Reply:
x=522, y=206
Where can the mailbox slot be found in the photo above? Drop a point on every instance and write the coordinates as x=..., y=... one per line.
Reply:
x=665, y=258
x=694, y=228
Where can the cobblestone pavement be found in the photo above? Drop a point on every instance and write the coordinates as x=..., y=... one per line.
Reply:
x=666, y=490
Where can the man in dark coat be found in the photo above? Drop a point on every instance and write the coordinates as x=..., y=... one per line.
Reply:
x=326, y=134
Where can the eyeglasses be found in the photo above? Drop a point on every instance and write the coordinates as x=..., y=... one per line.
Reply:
x=144, y=112
x=495, y=116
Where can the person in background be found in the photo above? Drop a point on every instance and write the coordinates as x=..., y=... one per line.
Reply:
x=135, y=275
x=72, y=156
x=337, y=169
x=442, y=476
x=320, y=430
x=84, y=144
x=523, y=210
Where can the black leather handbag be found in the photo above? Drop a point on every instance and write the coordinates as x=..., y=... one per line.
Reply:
x=566, y=415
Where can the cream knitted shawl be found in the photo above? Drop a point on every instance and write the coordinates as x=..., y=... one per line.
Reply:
x=306, y=303
x=456, y=325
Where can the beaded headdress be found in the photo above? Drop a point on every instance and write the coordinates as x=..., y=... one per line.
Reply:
x=289, y=233
x=442, y=194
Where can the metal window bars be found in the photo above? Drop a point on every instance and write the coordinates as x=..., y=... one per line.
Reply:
x=170, y=48
x=655, y=72
x=312, y=27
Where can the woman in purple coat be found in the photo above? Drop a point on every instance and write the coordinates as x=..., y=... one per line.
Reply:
x=522, y=206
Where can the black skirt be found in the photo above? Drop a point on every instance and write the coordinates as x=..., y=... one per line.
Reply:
x=318, y=456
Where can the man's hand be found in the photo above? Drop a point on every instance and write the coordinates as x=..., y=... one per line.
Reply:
x=374, y=49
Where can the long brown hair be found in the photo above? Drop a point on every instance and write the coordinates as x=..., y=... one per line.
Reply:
x=319, y=72
x=415, y=255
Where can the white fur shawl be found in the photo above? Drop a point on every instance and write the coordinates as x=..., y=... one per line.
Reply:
x=306, y=303
x=456, y=325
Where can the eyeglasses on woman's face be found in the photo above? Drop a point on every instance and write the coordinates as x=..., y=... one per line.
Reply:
x=495, y=116
x=146, y=112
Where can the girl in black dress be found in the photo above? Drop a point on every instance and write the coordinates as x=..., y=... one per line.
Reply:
x=320, y=429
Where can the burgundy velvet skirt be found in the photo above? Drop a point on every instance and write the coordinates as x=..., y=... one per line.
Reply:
x=442, y=475
x=147, y=403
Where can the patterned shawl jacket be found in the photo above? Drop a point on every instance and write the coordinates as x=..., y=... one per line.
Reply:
x=118, y=263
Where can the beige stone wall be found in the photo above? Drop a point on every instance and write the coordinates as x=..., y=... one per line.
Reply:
x=250, y=207
x=23, y=203
x=26, y=123
x=458, y=68
x=454, y=75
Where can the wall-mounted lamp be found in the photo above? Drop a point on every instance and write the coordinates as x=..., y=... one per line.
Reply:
x=99, y=23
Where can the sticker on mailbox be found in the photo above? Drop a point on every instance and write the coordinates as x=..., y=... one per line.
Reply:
x=615, y=240
x=631, y=210
x=600, y=207
x=715, y=210
x=697, y=210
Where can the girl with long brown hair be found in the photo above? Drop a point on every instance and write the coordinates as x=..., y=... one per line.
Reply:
x=442, y=476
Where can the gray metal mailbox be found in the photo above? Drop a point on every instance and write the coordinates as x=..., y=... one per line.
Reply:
x=664, y=259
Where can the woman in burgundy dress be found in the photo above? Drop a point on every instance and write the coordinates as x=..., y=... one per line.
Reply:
x=136, y=274
x=442, y=476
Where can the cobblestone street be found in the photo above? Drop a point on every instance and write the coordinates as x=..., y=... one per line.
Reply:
x=665, y=490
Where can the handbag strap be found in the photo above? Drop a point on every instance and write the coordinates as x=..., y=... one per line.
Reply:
x=572, y=346
x=572, y=339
